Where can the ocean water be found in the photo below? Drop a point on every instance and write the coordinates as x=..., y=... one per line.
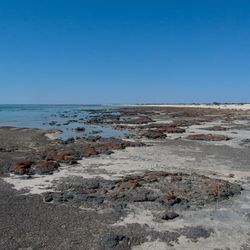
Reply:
x=55, y=117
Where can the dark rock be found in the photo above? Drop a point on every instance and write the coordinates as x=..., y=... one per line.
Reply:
x=69, y=140
x=208, y=137
x=111, y=241
x=96, y=131
x=81, y=197
x=48, y=197
x=143, y=196
x=153, y=134
x=170, y=129
x=73, y=162
x=93, y=138
x=46, y=167
x=195, y=233
x=169, y=215
x=91, y=184
x=79, y=129
x=95, y=199
x=120, y=207
x=217, y=128
x=139, y=120
x=52, y=123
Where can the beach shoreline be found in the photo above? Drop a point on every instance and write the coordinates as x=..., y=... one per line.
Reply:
x=111, y=191
x=211, y=106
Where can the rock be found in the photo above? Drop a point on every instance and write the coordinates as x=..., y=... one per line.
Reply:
x=93, y=138
x=89, y=151
x=79, y=129
x=111, y=241
x=231, y=175
x=217, y=128
x=47, y=167
x=169, y=199
x=48, y=197
x=169, y=215
x=96, y=131
x=72, y=121
x=95, y=199
x=81, y=197
x=52, y=123
x=197, y=232
x=168, y=196
x=153, y=134
x=139, y=120
x=73, y=162
x=69, y=140
x=120, y=207
x=171, y=129
x=104, y=147
x=22, y=167
x=208, y=137
x=91, y=184
x=186, y=123
x=143, y=196
x=64, y=156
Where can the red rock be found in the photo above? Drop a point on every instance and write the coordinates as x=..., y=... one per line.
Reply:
x=65, y=155
x=22, y=167
x=89, y=151
x=214, y=188
x=169, y=196
x=152, y=178
x=48, y=164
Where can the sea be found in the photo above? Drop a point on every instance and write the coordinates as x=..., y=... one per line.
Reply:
x=56, y=117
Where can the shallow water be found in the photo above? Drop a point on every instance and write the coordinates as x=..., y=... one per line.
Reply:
x=39, y=116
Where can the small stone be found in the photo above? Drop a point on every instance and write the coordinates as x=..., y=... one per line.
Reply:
x=73, y=162
x=112, y=241
x=169, y=215
x=79, y=129
x=48, y=197
x=120, y=207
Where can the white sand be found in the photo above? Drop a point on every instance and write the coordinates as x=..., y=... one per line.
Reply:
x=152, y=245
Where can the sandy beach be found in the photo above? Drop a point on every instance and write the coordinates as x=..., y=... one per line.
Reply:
x=179, y=179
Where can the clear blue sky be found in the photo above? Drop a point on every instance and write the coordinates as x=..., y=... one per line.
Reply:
x=77, y=51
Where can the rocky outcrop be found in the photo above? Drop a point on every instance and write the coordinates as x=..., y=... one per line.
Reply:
x=46, y=167
x=208, y=137
x=169, y=190
x=153, y=134
x=22, y=167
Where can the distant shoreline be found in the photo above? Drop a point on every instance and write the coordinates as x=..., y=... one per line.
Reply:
x=216, y=106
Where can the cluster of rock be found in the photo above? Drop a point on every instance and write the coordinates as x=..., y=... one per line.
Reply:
x=168, y=190
x=49, y=160
x=208, y=137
